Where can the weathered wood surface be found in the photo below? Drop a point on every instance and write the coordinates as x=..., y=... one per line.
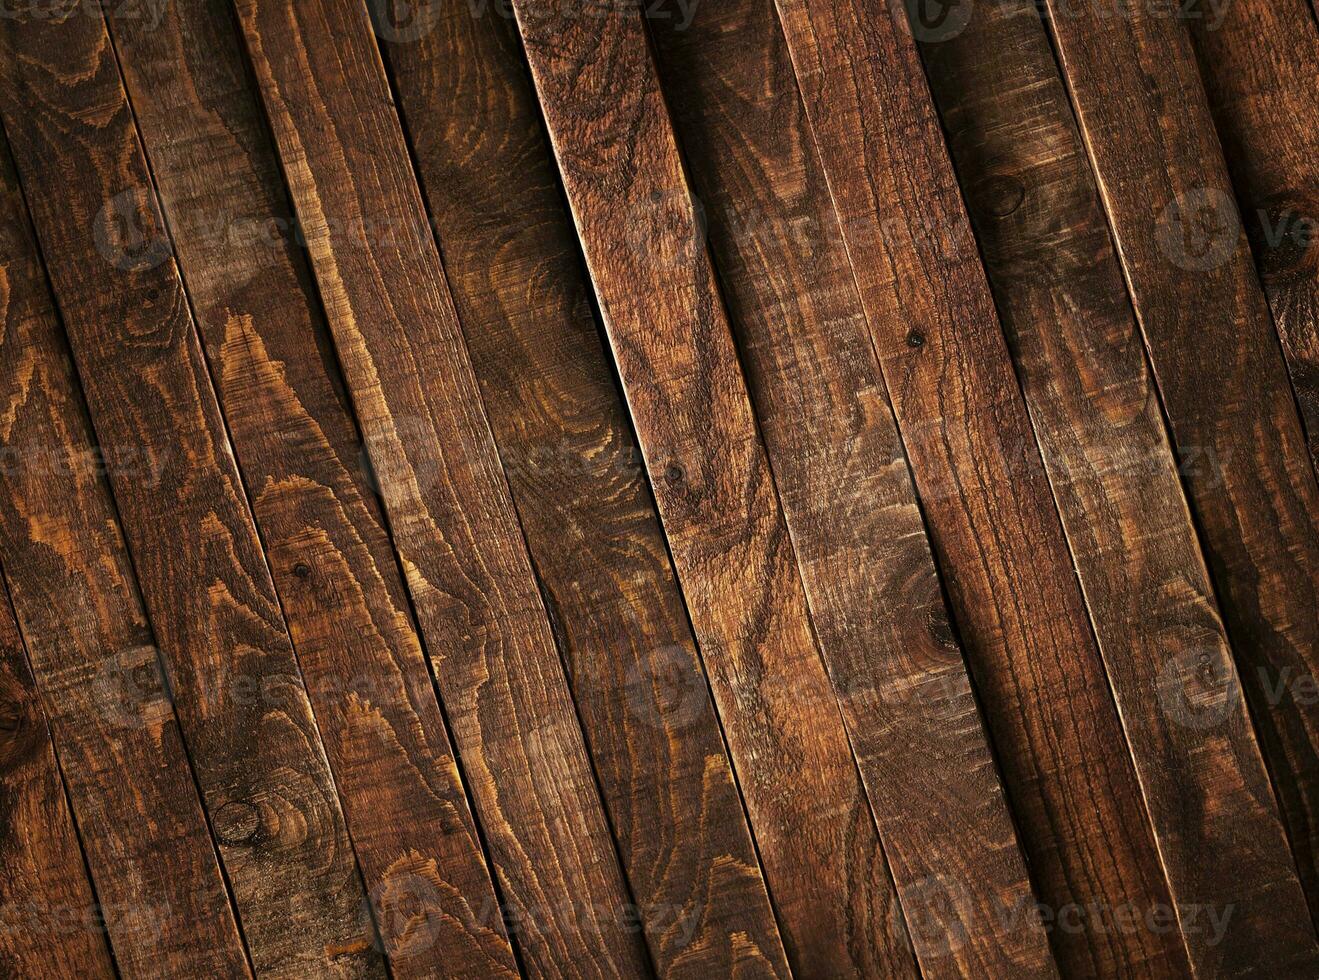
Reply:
x=980, y=479
x=671, y=341
x=454, y=526
x=256, y=753
x=1258, y=62
x=163, y=902
x=1064, y=305
x=1220, y=372
x=522, y=297
x=847, y=496
x=49, y=927
x=297, y=447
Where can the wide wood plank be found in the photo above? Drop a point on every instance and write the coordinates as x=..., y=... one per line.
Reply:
x=256, y=752
x=454, y=526
x=522, y=297
x=50, y=921
x=320, y=521
x=847, y=496
x=167, y=911
x=1258, y=62
x=1060, y=293
x=981, y=482
x=1220, y=372
x=671, y=341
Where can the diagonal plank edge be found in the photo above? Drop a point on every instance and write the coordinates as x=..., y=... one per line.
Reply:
x=679, y=369
x=463, y=554
x=1065, y=308
x=847, y=497
x=257, y=755
x=165, y=906
x=511, y=257
x=297, y=446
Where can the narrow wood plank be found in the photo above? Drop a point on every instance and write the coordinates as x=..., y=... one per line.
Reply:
x=297, y=446
x=575, y=472
x=846, y=493
x=50, y=922
x=92, y=652
x=1056, y=277
x=256, y=752
x=611, y=133
x=981, y=482
x=454, y=526
x=1220, y=371
x=1258, y=62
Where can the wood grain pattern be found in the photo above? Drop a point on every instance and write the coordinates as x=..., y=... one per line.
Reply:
x=575, y=472
x=297, y=446
x=847, y=495
x=48, y=922
x=1258, y=63
x=671, y=341
x=1205, y=321
x=256, y=752
x=463, y=554
x=166, y=909
x=981, y=481
x=1064, y=305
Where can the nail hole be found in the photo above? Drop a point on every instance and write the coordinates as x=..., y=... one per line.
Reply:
x=915, y=339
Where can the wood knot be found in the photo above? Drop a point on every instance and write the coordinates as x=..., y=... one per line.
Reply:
x=237, y=822
x=915, y=339
x=18, y=734
x=999, y=196
x=674, y=473
x=302, y=570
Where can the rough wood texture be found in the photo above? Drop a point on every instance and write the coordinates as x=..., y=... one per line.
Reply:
x=49, y=927
x=846, y=493
x=981, y=481
x=1207, y=327
x=1064, y=305
x=716, y=497
x=1258, y=62
x=463, y=554
x=522, y=297
x=257, y=755
x=297, y=446
x=164, y=903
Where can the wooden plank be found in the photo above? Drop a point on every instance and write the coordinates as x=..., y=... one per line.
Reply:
x=454, y=526
x=847, y=496
x=1063, y=303
x=91, y=649
x=512, y=260
x=257, y=756
x=49, y=921
x=1258, y=62
x=1220, y=371
x=671, y=341
x=981, y=483
x=331, y=558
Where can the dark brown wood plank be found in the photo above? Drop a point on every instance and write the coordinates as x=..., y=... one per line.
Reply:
x=619, y=160
x=256, y=752
x=1219, y=369
x=1258, y=62
x=1059, y=288
x=92, y=652
x=50, y=922
x=454, y=526
x=320, y=522
x=981, y=482
x=847, y=496
x=575, y=471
